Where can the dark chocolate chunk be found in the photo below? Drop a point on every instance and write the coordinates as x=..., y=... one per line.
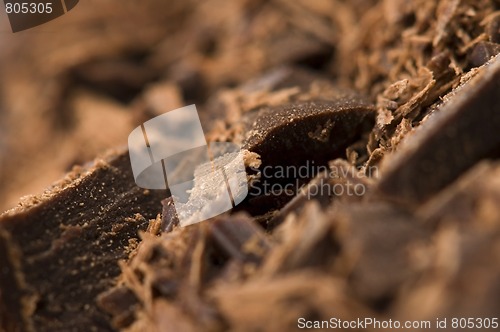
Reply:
x=470, y=200
x=483, y=52
x=240, y=238
x=302, y=135
x=460, y=133
x=62, y=250
x=315, y=130
x=121, y=303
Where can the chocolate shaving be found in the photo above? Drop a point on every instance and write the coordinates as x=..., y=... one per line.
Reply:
x=464, y=131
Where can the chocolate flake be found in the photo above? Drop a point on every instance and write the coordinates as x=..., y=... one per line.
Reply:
x=448, y=143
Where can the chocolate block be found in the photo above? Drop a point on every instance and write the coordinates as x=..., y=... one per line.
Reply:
x=303, y=135
x=472, y=200
x=314, y=130
x=62, y=249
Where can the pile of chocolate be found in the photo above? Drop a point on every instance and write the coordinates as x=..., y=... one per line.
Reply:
x=370, y=136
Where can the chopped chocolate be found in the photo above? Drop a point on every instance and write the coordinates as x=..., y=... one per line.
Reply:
x=314, y=130
x=323, y=234
x=483, y=52
x=61, y=250
x=240, y=238
x=308, y=134
x=341, y=181
x=316, y=189
x=380, y=237
x=463, y=131
x=282, y=302
x=470, y=200
x=121, y=303
x=307, y=241
x=459, y=273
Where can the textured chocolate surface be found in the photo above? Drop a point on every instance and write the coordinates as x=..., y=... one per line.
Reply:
x=391, y=97
x=314, y=130
x=62, y=249
x=463, y=131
